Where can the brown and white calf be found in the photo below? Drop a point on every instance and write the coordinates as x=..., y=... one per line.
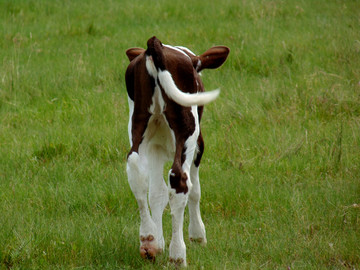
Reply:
x=166, y=98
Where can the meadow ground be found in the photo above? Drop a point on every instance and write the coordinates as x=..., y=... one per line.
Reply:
x=280, y=175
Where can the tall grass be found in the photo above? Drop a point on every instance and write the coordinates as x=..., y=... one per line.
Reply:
x=280, y=174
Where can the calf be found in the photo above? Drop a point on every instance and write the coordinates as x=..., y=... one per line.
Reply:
x=166, y=98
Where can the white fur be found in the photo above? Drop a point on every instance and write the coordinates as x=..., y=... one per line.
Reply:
x=178, y=48
x=158, y=103
x=150, y=67
x=184, y=99
x=196, y=225
x=178, y=201
x=158, y=192
x=131, y=112
x=138, y=180
x=177, y=248
x=145, y=171
x=174, y=93
x=185, y=49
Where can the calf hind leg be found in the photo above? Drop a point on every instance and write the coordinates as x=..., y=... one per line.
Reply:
x=196, y=225
x=158, y=191
x=180, y=187
x=138, y=181
x=177, y=249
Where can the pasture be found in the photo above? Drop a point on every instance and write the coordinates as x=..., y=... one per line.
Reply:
x=280, y=175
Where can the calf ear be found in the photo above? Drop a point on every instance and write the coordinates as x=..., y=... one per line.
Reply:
x=134, y=52
x=213, y=57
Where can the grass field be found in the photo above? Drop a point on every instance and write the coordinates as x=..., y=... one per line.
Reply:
x=281, y=170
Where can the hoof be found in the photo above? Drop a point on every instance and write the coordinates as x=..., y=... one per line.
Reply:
x=148, y=248
x=178, y=262
x=201, y=241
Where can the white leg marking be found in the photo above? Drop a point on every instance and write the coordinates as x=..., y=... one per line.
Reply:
x=138, y=181
x=177, y=249
x=158, y=192
x=158, y=146
x=196, y=225
x=178, y=201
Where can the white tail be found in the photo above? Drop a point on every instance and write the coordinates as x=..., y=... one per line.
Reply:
x=184, y=99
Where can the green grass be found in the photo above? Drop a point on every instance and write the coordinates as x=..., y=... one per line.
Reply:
x=280, y=174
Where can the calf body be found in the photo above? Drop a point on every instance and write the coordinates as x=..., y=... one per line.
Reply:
x=166, y=98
